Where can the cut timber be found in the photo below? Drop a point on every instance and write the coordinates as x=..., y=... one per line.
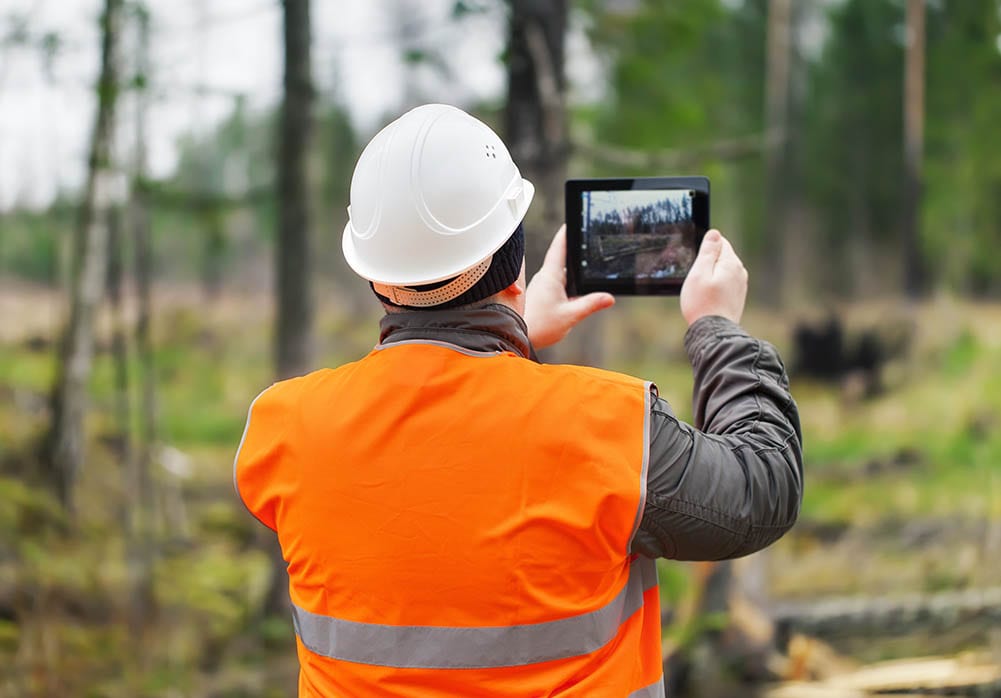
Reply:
x=753, y=622
x=813, y=690
x=928, y=676
x=931, y=673
x=797, y=689
x=810, y=658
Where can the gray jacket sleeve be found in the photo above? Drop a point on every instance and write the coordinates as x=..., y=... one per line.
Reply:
x=732, y=484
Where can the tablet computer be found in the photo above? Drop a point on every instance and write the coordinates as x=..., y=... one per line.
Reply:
x=634, y=236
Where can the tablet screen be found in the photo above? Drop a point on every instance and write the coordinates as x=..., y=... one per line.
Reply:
x=634, y=236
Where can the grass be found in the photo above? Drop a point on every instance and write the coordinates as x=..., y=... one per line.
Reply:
x=929, y=448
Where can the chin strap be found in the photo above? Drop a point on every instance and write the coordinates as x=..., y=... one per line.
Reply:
x=407, y=296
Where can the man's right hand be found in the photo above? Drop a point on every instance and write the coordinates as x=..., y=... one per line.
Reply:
x=716, y=283
x=549, y=313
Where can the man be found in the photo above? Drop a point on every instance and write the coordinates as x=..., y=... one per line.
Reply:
x=460, y=520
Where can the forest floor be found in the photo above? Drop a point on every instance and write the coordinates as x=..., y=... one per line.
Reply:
x=903, y=491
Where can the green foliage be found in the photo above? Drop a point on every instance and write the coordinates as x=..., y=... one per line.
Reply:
x=960, y=355
x=930, y=448
x=683, y=75
x=679, y=74
x=674, y=69
x=854, y=136
x=963, y=174
x=853, y=131
x=675, y=75
x=27, y=510
x=213, y=585
x=847, y=446
x=674, y=581
x=27, y=370
x=464, y=8
x=29, y=243
x=275, y=632
x=685, y=635
x=10, y=635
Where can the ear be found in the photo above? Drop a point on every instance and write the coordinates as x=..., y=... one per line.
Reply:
x=517, y=288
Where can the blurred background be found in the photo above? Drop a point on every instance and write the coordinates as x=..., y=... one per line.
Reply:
x=173, y=184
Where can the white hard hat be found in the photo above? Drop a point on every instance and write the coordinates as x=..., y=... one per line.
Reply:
x=434, y=195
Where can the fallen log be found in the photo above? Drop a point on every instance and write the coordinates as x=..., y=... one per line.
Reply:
x=926, y=676
x=887, y=616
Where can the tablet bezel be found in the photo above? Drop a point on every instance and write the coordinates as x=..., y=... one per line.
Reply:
x=577, y=283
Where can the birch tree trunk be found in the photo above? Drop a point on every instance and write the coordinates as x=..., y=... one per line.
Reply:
x=140, y=543
x=120, y=345
x=64, y=448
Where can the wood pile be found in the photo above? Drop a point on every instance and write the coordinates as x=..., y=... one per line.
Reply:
x=930, y=676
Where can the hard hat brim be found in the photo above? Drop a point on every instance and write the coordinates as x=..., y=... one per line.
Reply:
x=373, y=273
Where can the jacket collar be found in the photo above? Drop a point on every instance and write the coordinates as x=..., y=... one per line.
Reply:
x=492, y=328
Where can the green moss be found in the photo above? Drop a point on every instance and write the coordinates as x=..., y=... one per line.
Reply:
x=959, y=357
x=26, y=370
x=27, y=510
x=10, y=637
x=214, y=583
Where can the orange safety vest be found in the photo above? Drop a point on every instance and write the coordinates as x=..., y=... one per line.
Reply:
x=458, y=523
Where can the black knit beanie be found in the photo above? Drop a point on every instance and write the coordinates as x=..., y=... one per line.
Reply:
x=504, y=270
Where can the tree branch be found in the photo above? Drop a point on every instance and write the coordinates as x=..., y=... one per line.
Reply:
x=676, y=158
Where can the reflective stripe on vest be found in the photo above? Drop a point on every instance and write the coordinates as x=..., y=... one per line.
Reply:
x=654, y=690
x=433, y=647
x=429, y=552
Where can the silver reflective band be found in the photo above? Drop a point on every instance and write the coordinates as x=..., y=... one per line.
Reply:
x=437, y=647
x=645, y=466
x=654, y=690
x=444, y=345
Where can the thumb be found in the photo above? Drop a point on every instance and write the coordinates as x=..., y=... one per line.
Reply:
x=709, y=252
x=712, y=246
x=582, y=307
x=556, y=255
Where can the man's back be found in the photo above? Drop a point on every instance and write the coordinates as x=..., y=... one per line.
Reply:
x=459, y=520
x=447, y=509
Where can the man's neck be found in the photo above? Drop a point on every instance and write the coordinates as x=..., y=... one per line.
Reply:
x=491, y=328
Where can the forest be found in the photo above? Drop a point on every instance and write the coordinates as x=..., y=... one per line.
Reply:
x=182, y=251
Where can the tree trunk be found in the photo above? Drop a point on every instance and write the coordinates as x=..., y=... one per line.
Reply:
x=535, y=124
x=294, y=330
x=119, y=344
x=776, y=120
x=64, y=444
x=914, y=123
x=139, y=530
x=294, y=335
x=535, y=118
x=210, y=214
x=213, y=220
